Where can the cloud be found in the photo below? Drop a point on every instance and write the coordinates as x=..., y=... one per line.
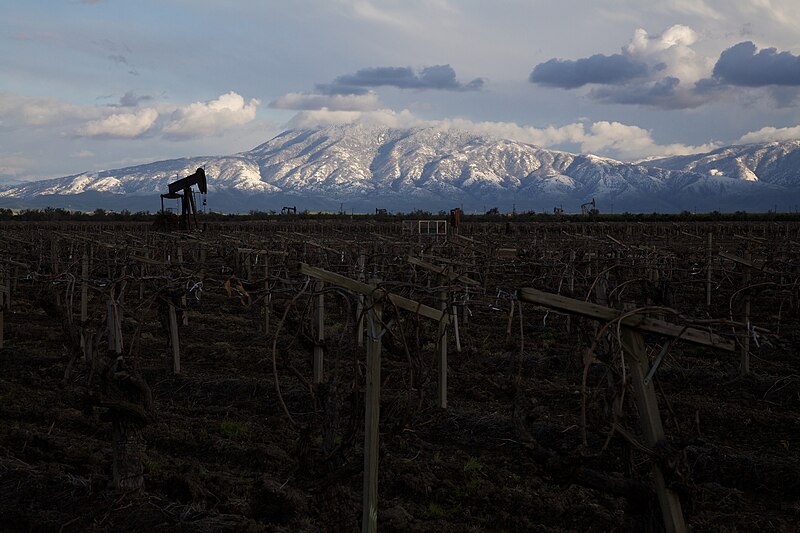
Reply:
x=18, y=111
x=353, y=92
x=769, y=134
x=119, y=58
x=615, y=139
x=612, y=139
x=202, y=119
x=669, y=53
x=333, y=102
x=665, y=93
x=652, y=70
x=740, y=65
x=436, y=77
x=694, y=7
x=408, y=15
x=568, y=74
x=633, y=142
x=120, y=125
x=14, y=165
x=379, y=117
x=131, y=99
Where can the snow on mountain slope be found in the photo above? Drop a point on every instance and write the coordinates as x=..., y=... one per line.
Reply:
x=405, y=169
x=777, y=163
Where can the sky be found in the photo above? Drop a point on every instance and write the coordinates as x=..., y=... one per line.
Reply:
x=89, y=85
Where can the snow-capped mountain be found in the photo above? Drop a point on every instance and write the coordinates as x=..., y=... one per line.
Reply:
x=361, y=167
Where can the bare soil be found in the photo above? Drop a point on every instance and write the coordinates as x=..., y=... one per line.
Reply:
x=507, y=455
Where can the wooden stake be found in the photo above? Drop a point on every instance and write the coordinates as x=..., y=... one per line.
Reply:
x=442, y=364
x=708, y=271
x=455, y=330
x=10, y=287
x=319, y=327
x=2, y=308
x=175, y=364
x=369, y=518
x=84, y=287
x=113, y=326
x=184, y=303
x=744, y=362
x=267, y=296
x=360, y=304
x=652, y=428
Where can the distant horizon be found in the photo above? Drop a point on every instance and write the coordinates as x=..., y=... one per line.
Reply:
x=16, y=182
x=433, y=169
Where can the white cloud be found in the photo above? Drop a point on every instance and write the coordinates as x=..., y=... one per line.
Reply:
x=406, y=15
x=332, y=102
x=784, y=12
x=632, y=142
x=381, y=117
x=121, y=125
x=612, y=139
x=18, y=111
x=670, y=53
x=14, y=165
x=604, y=138
x=693, y=7
x=202, y=119
x=771, y=134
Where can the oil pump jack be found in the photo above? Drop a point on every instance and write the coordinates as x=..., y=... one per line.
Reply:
x=182, y=189
x=586, y=210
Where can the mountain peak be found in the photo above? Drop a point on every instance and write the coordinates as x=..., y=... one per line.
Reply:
x=363, y=166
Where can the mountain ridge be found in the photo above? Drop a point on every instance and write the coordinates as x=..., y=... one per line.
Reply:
x=361, y=167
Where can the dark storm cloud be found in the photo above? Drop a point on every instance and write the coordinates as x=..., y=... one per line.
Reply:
x=741, y=65
x=601, y=69
x=437, y=77
x=131, y=99
x=331, y=89
x=663, y=93
x=119, y=58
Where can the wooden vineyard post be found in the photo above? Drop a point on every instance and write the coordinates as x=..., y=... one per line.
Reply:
x=84, y=287
x=636, y=356
x=374, y=318
x=571, y=285
x=360, y=304
x=744, y=362
x=652, y=428
x=114, y=327
x=184, y=303
x=465, y=308
x=454, y=322
x=248, y=266
x=142, y=274
x=708, y=271
x=319, y=332
x=2, y=307
x=369, y=518
x=267, y=296
x=442, y=359
x=174, y=358
x=10, y=287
